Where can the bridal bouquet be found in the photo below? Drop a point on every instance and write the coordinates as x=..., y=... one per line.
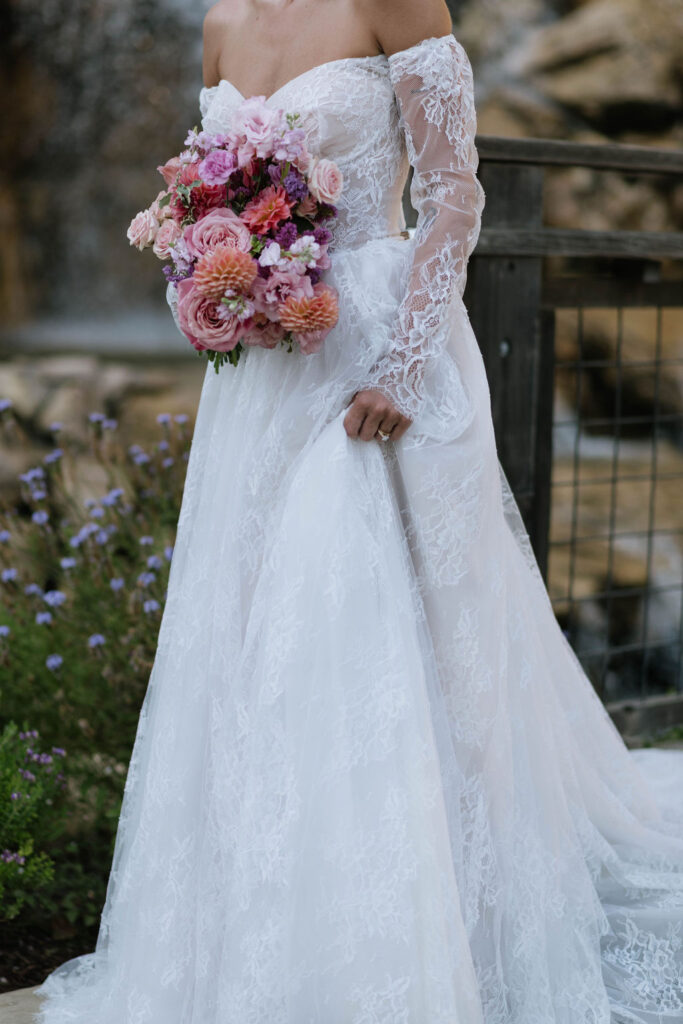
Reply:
x=244, y=223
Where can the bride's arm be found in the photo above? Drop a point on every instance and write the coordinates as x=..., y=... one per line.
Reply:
x=432, y=80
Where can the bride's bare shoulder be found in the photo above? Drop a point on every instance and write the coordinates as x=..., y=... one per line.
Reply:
x=399, y=24
x=219, y=19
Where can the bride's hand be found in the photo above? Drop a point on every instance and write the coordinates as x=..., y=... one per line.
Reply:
x=371, y=411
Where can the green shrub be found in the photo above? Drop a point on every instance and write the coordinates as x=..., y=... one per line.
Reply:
x=82, y=588
x=31, y=795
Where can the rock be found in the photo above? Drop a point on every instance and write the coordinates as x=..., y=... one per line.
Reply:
x=20, y=1006
x=613, y=61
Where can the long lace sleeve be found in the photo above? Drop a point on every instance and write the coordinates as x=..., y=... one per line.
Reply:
x=434, y=90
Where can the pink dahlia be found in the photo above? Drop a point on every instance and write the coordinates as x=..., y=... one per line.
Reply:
x=224, y=268
x=267, y=209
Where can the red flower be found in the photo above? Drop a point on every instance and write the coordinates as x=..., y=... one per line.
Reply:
x=267, y=209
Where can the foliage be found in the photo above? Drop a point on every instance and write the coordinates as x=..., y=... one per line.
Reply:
x=31, y=793
x=82, y=587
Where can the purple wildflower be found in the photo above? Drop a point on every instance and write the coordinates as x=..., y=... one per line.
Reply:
x=54, y=598
x=96, y=640
x=14, y=795
x=96, y=512
x=5, y=403
x=4, y=630
x=109, y=424
x=40, y=517
x=53, y=662
x=38, y=494
x=146, y=540
x=56, y=427
x=167, y=463
x=59, y=751
x=145, y=579
x=4, y=536
x=26, y=774
x=96, y=417
x=180, y=418
x=43, y=618
x=7, y=575
x=168, y=552
x=101, y=537
x=54, y=455
x=150, y=606
x=67, y=563
x=141, y=458
x=33, y=588
x=116, y=583
x=163, y=418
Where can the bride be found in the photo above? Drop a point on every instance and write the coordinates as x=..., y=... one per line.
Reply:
x=371, y=783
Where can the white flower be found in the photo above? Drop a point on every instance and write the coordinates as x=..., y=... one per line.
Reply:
x=271, y=255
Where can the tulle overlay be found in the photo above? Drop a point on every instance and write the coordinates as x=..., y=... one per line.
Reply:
x=371, y=783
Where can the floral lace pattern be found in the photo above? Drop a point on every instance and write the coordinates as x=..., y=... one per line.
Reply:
x=371, y=783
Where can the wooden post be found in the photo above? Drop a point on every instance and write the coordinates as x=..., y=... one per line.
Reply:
x=503, y=298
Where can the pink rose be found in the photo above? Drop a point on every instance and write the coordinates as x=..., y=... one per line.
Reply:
x=200, y=322
x=169, y=170
x=161, y=212
x=307, y=207
x=143, y=229
x=263, y=333
x=259, y=125
x=218, y=226
x=326, y=181
x=168, y=234
x=269, y=292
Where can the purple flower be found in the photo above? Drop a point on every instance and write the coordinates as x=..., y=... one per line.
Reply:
x=5, y=403
x=101, y=537
x=43, y=618
x=96, y=417
x=295, y=186
x=40, y=517
x=56, y=427
x=53, y=662
x=145, y=579
x=287, y=235
x=167, y=463
x=59, y=751
x=36, y=473
x=30, y=733
x=97, y=512
x=96, y=640
x=180, y=418
x=54, y=598
x=4, y=536
x=26, y=774
x=146, y=540
x=141, y=458
x=154, y=562
x=112, y=497
x=38, y=494
x=54, y=455
x=33, y=588
x=163, y=418
x=116, y=583
x=168, y=552
x=7, y=575
x=322, y=235
x=109, y=424
x=150, y=606
x=5, y=630
x=14, y=795
x=163, y=445
x=67, y=563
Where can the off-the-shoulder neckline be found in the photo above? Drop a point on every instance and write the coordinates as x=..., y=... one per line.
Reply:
x=331, y=63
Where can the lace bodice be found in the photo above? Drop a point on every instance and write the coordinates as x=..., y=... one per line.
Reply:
x=375, y=116
x=349, y=113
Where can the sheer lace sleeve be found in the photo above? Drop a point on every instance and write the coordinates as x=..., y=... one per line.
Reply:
x=434, y=90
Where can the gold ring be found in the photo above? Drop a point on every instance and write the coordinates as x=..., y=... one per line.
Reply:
x=385, y=437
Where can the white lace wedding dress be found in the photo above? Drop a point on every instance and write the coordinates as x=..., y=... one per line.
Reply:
x=371, y=783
